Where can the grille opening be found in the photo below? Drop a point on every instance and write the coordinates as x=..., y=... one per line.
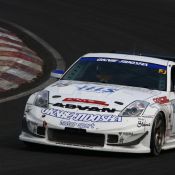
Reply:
x=112, y=138
x=74, y=130
x=41, y=131
x=76, y=137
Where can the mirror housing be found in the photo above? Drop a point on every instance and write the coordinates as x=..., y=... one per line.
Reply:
x=57, y=73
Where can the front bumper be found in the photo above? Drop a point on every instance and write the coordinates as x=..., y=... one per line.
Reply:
x=126, y=136
x=140, y=148
x=120, y=142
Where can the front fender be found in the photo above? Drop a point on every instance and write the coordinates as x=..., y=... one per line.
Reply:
x=152, y=111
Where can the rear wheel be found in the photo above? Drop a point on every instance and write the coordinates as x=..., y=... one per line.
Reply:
x=157, y=135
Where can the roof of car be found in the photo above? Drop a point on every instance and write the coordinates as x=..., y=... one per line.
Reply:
x=162, y=60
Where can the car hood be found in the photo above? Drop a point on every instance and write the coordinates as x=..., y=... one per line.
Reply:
x=97, y=94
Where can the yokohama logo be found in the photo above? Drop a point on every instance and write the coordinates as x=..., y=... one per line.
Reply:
x=18, y=63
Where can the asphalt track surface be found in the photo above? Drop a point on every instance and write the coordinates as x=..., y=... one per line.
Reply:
x=76, y=27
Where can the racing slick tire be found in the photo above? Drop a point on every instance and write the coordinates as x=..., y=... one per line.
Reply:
x=157, y=134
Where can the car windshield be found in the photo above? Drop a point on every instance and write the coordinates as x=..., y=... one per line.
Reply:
x=119, y=72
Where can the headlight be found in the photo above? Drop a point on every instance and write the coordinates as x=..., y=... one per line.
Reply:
x=42, y=99
x=135, y=109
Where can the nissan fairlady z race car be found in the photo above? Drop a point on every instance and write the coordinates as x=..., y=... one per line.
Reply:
x=106, y=102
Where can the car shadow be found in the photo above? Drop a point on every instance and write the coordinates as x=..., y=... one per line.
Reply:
x=80, y=152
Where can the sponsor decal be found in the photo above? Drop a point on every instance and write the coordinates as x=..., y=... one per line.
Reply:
x=86, y=101
x=142, y=124
x=161, y=100
x=81, y=117
x=133, y=62
x=148, y=116
x=128, y=133
x=107, y=60
x=83, y=108
x=122, y=61
x=162, y=71
x=92, y=88
x=77, y=125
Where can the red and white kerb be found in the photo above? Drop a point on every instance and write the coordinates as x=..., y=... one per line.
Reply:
x=18, y=63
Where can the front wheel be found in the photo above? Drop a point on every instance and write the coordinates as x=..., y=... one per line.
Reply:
x=157, y=135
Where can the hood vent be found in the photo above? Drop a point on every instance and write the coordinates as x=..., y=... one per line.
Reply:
x=118, y=102
x=56, y=96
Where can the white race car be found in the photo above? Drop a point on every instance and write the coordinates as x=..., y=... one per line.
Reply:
x=106, y=102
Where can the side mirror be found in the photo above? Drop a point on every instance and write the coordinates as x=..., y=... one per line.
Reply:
x=57, y=74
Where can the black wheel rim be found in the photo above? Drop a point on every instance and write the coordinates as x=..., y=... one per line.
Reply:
x=159, y=135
